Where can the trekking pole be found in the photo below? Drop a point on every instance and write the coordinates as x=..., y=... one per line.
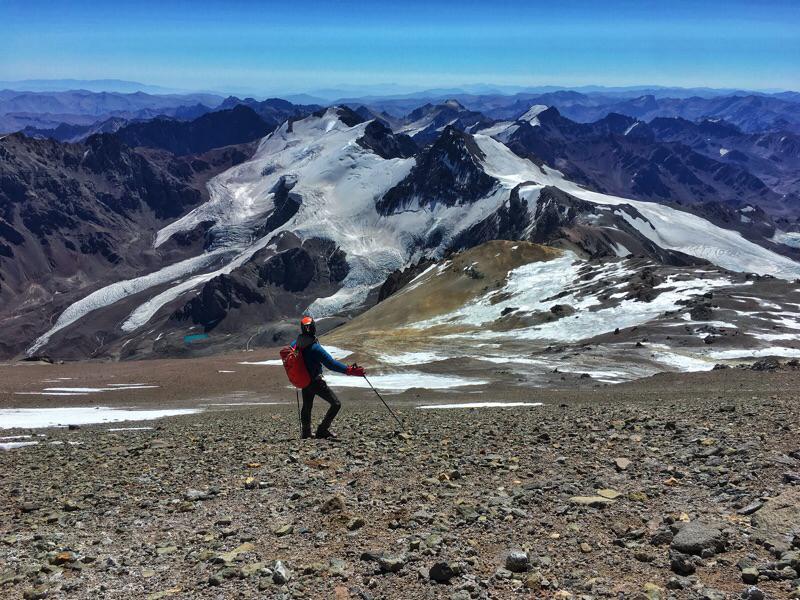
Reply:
x=384, y=402
x=299, y=414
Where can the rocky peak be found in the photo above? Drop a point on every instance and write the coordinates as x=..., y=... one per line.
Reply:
x=718, y=128
x=448, y=172
x=548, y=115
x=533, y=112
x=345, y=114
x=615, y=123
x=385, y=143
x=454, y=104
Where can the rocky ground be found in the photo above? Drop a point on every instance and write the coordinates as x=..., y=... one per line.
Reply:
x=678, y=486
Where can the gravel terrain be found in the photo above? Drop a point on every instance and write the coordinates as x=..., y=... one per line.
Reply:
x=677, y=486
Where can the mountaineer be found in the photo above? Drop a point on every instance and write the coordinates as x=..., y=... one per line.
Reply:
x=315, y=357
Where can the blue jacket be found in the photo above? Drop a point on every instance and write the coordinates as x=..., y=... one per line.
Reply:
x=315, y=356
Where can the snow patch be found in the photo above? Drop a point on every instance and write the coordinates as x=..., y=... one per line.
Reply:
x=478, y=405
x=533, y=112
x=129, y=429
x=754, y=353
x=334, y=351
x=246, y=403
x=400, y=382
x=632, y=127
x=787, y=238
x=270, y=363
x=51, y=393
x=411, y=358
x=774, y=337
x=115, y=292
x=90, y=390
x=34, y=418
x=12, y=445
x=681, y=362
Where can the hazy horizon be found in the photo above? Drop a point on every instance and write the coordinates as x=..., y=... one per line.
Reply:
x=345, y=90
x=264, y=48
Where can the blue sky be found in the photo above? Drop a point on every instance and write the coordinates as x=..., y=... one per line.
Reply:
x=306, y=45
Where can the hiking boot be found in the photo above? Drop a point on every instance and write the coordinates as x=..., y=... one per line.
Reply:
x=306, y=435
x=326, y=434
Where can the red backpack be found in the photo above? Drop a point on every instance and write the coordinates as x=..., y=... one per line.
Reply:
x=295, y=366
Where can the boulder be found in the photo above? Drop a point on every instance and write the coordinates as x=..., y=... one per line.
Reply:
x=517, y=561
x=778, y=521
x=698, y=538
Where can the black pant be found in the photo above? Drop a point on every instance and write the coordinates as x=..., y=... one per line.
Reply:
x=318, y=387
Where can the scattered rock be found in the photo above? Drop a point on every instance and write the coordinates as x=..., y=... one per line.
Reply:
x=443, y=572
x=70, y=505
x=753, y=593
x=333, y=504
x=653, y=592
x=517, y=561
x=698, y=538
x=355, y=523
x=750, y=575
x=682, y=564
x=608, y=493
x=386, y=562
x=766, y=364
x=593, y=501
x=622, y=464
x=164, y=593
x=63, y=557
x=252, y=569
x=750, y=508
x=778, y=520
x=197, y=495
x=229, y=557
x=280, y=574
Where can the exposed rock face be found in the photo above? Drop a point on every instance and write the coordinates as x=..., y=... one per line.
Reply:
x=386, y=144
x=507, y=223
x=448, y=172
x=272, y=285
x=623, y=156
x=217, y=297
x=382, y=117
x=286, y=205
x=66, y=132
x=346, y=115
x=427, y=122
x=292, y=270
x=213, y=130
x=74, y=217
x=562, y=219
x=773, y=157
x=778, y=522
x=273, y=111
x=397, y=280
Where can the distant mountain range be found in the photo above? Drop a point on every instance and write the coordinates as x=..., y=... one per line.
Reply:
x=750, y=111
x=93, y=85
x=46, y=110
x=120, y=234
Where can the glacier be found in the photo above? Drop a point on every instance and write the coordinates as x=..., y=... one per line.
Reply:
x=340, y=181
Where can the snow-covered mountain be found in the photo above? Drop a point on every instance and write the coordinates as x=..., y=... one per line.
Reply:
x=330, y=205
x=426, y=123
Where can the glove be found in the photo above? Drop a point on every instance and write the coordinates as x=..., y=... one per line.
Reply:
x=355, y=371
